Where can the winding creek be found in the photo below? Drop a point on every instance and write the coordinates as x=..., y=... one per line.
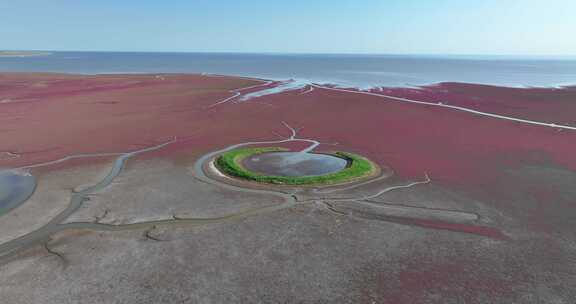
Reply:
x=55, y=225
x=76, y=201
x=16, y=186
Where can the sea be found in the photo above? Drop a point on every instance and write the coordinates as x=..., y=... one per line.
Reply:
x=344, y=70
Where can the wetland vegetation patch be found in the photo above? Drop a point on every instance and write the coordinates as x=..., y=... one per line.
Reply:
x=342, y=166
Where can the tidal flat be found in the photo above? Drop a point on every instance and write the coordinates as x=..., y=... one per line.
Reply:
x=467, y=209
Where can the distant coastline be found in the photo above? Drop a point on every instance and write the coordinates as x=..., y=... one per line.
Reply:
x=23, y=53
x=348, y=71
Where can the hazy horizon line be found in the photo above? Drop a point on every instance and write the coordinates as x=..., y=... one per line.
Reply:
x=298, y=53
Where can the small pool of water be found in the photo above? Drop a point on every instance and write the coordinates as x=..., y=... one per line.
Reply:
x=15, y=188
x=294, y=163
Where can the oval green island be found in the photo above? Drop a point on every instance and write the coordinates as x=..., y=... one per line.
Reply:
x=231, y=164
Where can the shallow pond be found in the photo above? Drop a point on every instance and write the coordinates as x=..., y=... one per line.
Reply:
x=294, y=163
x=16, y=187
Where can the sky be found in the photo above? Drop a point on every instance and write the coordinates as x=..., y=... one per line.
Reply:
x=479, y=27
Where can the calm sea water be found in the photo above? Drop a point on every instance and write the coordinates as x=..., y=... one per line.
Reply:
x=343, y=70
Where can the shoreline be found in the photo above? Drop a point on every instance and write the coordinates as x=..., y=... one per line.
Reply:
x=362, y=71
x=367, y=88
x=303, y=81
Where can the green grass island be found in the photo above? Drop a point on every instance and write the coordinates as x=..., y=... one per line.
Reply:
x=356, y=167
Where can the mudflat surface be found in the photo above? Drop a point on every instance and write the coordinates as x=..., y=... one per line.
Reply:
x=50, y=197
x=473, y=209
x=159, y=189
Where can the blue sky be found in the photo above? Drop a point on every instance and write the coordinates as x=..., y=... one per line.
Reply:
x=527, y=27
